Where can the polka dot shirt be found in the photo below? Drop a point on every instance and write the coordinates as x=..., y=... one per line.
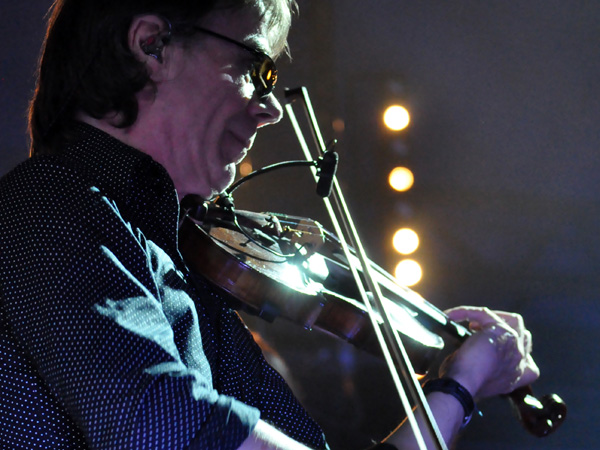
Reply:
x=106, y=340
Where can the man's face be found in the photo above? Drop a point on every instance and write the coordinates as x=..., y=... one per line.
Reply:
x=208, y=112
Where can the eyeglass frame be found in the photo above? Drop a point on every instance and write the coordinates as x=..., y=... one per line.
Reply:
x=262, y=88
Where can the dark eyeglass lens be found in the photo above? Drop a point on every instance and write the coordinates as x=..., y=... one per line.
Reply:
x=264, y=71
x=264, y=75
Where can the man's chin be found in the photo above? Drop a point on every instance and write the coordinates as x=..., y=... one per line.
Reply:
x=226, y=180
x=210, y=190
x=195, y=190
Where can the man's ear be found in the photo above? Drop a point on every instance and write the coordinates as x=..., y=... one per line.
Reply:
x=148, y=36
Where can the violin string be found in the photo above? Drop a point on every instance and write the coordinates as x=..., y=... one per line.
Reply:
x=253, y=256
x=256, y=242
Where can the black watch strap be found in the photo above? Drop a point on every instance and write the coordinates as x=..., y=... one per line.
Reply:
x=455, y=389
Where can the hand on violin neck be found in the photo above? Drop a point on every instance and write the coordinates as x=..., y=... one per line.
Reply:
x=497, y=358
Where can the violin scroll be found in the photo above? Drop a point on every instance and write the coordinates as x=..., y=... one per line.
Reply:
x=539, y=417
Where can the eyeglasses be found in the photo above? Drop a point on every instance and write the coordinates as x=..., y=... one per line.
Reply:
x=264, y=71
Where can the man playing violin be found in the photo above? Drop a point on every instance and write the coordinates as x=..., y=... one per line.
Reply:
x=106, y=339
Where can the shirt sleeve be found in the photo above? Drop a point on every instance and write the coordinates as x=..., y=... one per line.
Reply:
x=82, y=292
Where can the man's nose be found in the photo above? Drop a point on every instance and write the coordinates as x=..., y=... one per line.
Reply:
x=267, y=110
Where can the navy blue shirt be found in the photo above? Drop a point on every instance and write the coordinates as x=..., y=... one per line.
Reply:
x=106, y=340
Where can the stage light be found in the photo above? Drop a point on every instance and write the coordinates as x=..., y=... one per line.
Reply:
x=338, y=125
x=405, y=241
x=396, y=117
x=408, y=272
x=245, y=167
x=401, y=179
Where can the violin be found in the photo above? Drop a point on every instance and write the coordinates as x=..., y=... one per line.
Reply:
x=273, y=265
x=291, y=268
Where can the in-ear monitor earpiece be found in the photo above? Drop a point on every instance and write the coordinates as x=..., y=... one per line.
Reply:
x=153, y=47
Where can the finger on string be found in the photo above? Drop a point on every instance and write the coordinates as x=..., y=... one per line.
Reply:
x=506, y=342
x=530, y=374
x=480, y=315
x=516, y=357
x=519, y=371
x=527, y=342
x=532, y=366
x=516, y=322
x=513, y=319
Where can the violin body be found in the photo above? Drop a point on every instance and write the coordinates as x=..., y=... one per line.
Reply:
x=311, y=289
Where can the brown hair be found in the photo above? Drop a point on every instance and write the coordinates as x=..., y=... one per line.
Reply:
x=86, y=64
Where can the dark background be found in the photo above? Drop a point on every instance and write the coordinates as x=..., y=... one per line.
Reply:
x=504, y=146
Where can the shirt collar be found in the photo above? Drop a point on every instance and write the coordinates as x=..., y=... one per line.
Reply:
x=140, y=186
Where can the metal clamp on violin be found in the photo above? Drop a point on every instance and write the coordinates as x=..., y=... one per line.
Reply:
x=274, y=265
